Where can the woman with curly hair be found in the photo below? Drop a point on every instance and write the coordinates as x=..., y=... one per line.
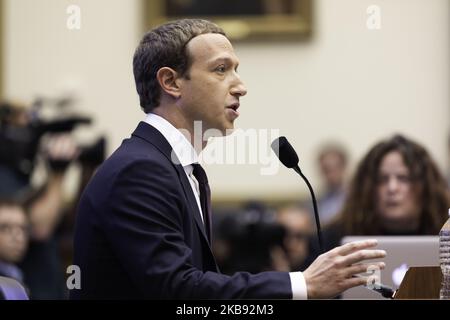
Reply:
x=397, y=189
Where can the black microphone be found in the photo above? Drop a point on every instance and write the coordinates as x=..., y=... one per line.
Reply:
x=289, y=158
x=287, y=155
x=385, y=291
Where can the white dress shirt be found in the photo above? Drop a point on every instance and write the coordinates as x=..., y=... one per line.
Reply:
x=187, y=156
x=182, y=149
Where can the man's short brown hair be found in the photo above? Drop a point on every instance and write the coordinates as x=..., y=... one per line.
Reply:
x=165, y=46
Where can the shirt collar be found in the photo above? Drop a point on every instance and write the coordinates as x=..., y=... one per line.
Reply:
x=181, y=146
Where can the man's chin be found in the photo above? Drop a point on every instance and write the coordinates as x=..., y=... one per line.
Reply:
x=219, y=130
x=228, y=131
x=16, y=258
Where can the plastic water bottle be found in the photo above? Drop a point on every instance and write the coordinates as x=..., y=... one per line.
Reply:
x=444, y=258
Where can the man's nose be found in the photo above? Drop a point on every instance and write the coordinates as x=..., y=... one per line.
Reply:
x=19, y=236
x=238, y=88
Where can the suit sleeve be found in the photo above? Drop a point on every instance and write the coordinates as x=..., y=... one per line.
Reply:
x=144, y=227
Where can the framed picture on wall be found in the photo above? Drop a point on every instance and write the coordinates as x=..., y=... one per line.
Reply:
x=241, y=20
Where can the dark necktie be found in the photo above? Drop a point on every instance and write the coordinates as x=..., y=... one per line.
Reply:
x=205, y=197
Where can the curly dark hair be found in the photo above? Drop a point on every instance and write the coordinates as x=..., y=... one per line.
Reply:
x=165, y=46
x=358, y=216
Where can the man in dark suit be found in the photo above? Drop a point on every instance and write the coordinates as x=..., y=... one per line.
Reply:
x=144, y=221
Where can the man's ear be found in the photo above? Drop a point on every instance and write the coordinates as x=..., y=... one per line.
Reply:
x=169, y=82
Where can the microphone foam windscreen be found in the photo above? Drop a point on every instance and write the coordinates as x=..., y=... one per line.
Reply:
x=285, y=152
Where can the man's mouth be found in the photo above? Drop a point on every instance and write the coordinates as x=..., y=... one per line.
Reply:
x=234, y=106
x=233, y=110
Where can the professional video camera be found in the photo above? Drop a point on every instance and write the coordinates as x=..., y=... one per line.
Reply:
x=251, y=235
x=21, y=131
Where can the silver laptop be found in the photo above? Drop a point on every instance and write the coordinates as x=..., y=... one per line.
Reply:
x=402, y=252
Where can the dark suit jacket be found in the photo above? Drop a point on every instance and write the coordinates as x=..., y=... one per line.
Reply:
x=139, y=233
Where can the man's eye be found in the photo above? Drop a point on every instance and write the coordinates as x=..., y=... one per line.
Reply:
x=220, y=69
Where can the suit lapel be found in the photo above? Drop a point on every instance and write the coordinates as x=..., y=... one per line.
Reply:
x=153, y=136
x=194, y=208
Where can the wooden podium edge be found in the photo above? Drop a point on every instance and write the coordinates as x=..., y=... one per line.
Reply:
x=420, y=283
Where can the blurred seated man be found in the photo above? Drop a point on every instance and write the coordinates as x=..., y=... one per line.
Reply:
x=397, y=190
x=13, y=238
x=296, y=220
x=333, y=166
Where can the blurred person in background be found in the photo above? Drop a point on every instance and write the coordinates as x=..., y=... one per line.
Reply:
x=332, y=162
x=296, y=219
x=397, y=190
x=14, y=229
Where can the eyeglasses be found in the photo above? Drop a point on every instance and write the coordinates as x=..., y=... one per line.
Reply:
x=7, y=228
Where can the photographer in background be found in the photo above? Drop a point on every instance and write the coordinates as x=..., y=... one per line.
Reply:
x=25, y=141
x=254, y=241
x=43, y=266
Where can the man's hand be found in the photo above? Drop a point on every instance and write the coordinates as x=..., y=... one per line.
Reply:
x=60, y=150
x=334, y=271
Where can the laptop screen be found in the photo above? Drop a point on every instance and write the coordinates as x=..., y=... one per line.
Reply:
x=402, y=252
